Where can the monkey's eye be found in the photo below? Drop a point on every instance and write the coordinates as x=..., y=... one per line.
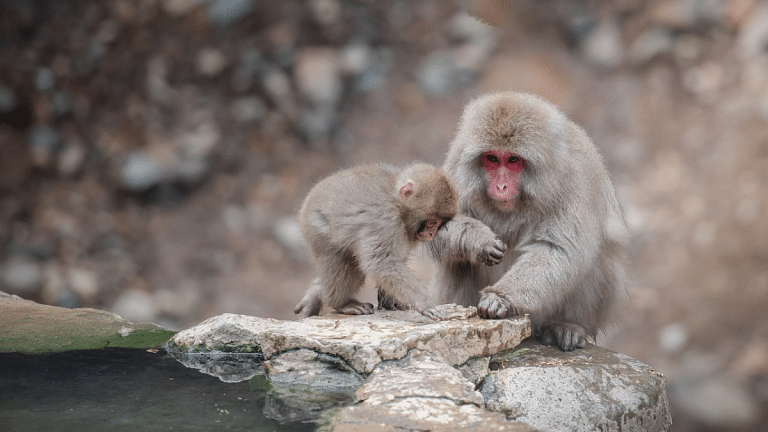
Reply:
x=514, y=159
x=491, y=158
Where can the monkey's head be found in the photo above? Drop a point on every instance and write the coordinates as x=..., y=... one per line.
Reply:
x=503, y=142
x=427, y=199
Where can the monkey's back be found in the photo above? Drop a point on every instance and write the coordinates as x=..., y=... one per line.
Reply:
x=348, y=205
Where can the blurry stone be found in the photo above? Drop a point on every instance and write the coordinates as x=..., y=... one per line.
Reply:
x=199, y=142
x=83, y=282
x=108, y=31
x=467, y=28
x=7, y=99
x=715, y=402
x=224, y=13
x=278, y=86
x=439, y=74
x=650, y=44
x=190, y=170
x=234, y=219
x=20, y=275
x=355, y=58
x=493, y=12
x=71, y=158
x=288, y=232
x=180, y=7
x=704, y=81
x=687, y=13
x=61, y=103
x=45, y=79
x=180, y=303
x=673, y=337
x=753, y=36
x=157, y=88
x=249, y=109
x=326, y=12
x=135, y=306
x=317, y=124
x=375, y=73
x=602, y=46
x=141, y=171
x=44, y=141
x=210, y=62
x=318, y=75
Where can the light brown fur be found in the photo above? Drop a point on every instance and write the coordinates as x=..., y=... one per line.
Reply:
x=364, y=222
x=566, y=234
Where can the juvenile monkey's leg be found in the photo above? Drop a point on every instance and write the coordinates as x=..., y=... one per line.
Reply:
x=387, y=301
x=312, y=302
x=342, y=279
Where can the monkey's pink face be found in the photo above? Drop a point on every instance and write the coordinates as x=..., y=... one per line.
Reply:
x=503, y=170
x=428, y=230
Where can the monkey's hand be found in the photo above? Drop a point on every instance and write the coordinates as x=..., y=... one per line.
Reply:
x=493, y=252
x=493, y=305
x=432, y=314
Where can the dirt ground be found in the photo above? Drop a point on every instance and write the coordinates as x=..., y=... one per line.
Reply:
x=673, y=92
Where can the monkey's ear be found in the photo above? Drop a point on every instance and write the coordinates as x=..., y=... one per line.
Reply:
x=406, y=190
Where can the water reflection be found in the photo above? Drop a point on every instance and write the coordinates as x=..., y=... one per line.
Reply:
x=121, y=390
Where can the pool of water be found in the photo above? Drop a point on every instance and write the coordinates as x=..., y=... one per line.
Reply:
x=129, y=390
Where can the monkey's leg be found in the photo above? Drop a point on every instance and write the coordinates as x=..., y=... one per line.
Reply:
x=387, y=301
x=342, y=279
x=566, y=336
x=311, y=303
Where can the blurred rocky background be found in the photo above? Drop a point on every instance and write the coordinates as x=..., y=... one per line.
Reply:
x=153, y=153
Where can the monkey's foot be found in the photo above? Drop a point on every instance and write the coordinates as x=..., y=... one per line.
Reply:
x=386, y=301
x=354, y=307
x=566, y=336
x=492, y=305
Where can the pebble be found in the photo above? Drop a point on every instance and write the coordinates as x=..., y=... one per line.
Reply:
x=210, y=62
x=45, y=79
x=318, y=75
x=715, y=402
x=439, y=74
x=650, y=44
x=140, y=172
x=602, y=46
x=83, y=282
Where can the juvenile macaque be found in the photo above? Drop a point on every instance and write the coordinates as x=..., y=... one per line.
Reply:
x=364, y=222
x=532, y=187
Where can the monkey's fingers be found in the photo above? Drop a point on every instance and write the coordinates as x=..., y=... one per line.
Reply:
x=433, y=314
x=494, y=253
x=492, y=306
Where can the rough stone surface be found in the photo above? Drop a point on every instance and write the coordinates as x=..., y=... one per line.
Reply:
x=361, y=341
x=585, y=390
x=29, y=327
x=418, y=393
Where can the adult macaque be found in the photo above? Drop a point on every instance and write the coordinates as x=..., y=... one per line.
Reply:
x=364, y=222
x=531, y=178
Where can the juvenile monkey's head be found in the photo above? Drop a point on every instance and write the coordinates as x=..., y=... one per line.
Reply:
x=427, y=199
x=502, y=143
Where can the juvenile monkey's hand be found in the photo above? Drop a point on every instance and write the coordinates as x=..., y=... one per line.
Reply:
x=493, y=305
x=493, y=252
x=432, y=314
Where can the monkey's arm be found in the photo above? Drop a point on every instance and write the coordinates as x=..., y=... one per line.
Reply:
x=540, y=278
x=467, y=239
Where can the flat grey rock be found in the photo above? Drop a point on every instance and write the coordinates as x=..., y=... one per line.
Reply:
x=362, y=341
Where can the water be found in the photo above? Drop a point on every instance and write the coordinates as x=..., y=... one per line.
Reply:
x=129, y=390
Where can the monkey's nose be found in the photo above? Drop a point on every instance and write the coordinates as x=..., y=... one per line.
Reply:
x=501, y=186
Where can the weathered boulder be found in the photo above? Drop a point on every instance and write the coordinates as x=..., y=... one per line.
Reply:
x=362, y=341
x=584, y=390
x=417, y=393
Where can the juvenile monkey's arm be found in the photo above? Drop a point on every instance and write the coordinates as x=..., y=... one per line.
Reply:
x=467, y=239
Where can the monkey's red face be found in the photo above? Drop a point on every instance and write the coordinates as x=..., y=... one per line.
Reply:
x=428, y=230
x=503, y=170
